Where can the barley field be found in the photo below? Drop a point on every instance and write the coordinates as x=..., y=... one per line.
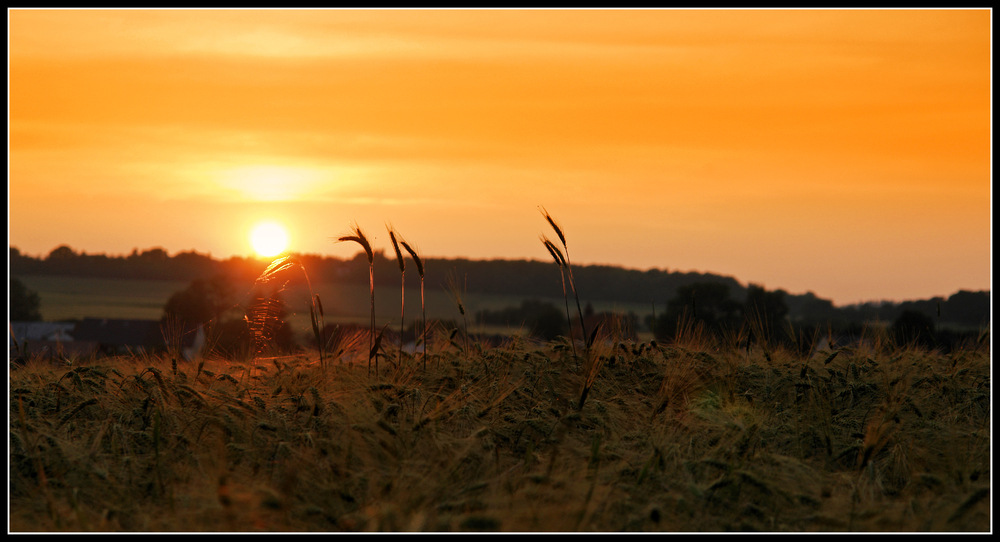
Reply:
x=619, y=436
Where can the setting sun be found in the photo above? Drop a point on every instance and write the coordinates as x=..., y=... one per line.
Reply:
x=269, y=239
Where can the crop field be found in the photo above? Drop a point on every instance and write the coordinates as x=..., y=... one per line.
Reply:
x=519, y=437
x=66, y=298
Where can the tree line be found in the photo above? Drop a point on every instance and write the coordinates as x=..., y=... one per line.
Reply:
x=710, y=297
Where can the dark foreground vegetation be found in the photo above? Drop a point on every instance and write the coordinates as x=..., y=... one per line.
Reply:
x=691, y=436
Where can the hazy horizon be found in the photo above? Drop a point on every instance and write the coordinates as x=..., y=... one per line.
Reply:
x=843, y=152
x=386, y=252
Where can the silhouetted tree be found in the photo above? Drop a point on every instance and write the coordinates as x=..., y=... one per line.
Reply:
x=967, y=308
x=546, y=321
x=62, y=260
x=230, y=328
x=914, y=327
x=203, y=301
x=543, y=320
x=765, y=313
x=22, y=264
x=61, y=253
x=708, y=303
x=24, y=304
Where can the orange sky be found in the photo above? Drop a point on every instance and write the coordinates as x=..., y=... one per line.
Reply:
x=842, y=152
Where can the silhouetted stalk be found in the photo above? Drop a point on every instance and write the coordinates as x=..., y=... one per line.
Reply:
x=318, y=324
x=402, y=289
x=592, y=365
x=457, y=294
x=569, y=271
x=561, y=263
x=423, y=311
x=360, y=238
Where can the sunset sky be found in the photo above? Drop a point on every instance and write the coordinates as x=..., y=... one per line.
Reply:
x=843, y=152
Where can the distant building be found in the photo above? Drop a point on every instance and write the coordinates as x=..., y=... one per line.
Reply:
x=41, y=331
x=47, y=340
x=103, y=336
x=121, y=336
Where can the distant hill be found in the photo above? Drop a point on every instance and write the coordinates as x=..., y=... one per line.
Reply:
x=519, y=278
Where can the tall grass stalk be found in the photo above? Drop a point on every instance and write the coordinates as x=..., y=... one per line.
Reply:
x=402, y=288
x=423, y=310
x=456, y=293
x=592, y=363
x=358, y=236
x=561, y=263
x=569, y=269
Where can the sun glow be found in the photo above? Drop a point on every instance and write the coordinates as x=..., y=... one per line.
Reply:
x=269, y=239
x=270, y=183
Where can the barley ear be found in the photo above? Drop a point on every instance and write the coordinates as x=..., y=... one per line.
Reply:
x=554, y=251
x=360, y=238
x=416, y=259
x=395, y=246
x=552, y=222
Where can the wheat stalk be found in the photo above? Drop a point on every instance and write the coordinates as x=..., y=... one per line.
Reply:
x=456, y=293
x=561, y=263
x=360, y=238
x=402, y=288
x=420, y=271
x=569, y=268
x=592, y=364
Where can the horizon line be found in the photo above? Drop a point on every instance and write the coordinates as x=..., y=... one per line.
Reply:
x=382, y=252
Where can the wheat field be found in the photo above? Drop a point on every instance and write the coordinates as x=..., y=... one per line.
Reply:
x=682, y=438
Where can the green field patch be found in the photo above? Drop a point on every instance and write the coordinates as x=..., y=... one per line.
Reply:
x=68, y=298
